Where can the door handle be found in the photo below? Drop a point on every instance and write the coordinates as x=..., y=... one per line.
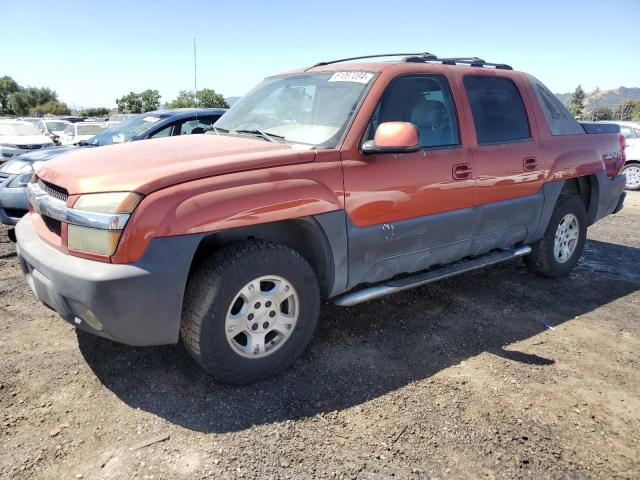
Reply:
x=530, y=164
x=462, y=171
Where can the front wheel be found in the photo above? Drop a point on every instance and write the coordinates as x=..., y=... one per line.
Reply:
x=557, y=252
x=249, y=311
x=632, y=172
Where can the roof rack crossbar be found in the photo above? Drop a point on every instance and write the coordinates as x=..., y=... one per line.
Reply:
x=472, y=61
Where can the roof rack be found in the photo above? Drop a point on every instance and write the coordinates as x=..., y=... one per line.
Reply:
x=424, y=57
x=416, y=55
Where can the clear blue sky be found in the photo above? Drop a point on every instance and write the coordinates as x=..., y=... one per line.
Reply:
x=91, y=52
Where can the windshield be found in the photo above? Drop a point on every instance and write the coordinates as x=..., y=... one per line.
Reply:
x=56, y=126
x=20, y=129
x=90, y=129
x=126, y=130
x=312, y=109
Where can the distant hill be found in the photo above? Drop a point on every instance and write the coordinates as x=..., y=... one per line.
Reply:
x=610, y=98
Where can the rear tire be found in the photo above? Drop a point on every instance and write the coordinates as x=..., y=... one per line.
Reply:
x=632, y=172
x=558, y=251
x=249, y=311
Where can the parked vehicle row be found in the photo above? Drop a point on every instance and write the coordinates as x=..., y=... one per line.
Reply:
x=631, y=132
x=342, y=181
x=18, y=137
x=15, y=174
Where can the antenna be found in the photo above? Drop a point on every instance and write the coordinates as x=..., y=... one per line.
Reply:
x=195, y=76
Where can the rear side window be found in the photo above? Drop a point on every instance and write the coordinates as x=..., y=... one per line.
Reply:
x=560, y=121
x=498, y=111
x=626, y=132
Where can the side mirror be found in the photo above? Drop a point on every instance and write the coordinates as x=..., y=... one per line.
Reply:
x=393, y=137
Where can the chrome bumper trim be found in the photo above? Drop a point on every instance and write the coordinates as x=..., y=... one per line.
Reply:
x=45, y=204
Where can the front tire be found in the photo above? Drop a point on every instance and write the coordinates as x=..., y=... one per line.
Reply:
x=249, y=311
x=558, y=251
x=632, y=172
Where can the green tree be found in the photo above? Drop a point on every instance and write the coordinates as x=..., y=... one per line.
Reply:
x=25, y=99
x=20, y=103
x=576, y=104
x=627, y=110
x=207, y=98
x=185, y=99
x=130, y=103
x=139, y=102
x=7, y=86
x=95, y=112
x=150, y=100
x=52, y=107
x=602, y=112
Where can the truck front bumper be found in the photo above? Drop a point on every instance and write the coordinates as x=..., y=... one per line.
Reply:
x=136, y=304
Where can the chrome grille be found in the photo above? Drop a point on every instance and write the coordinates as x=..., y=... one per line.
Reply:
x=54, y=190
x=29, y=147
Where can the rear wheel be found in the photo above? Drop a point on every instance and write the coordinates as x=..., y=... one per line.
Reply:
x=632, y=172
x=249, y=311
x=557, y=252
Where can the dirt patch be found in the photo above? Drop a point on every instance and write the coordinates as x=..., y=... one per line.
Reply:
x=459, y=379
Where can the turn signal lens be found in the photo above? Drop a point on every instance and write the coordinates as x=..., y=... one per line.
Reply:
x=92, y=240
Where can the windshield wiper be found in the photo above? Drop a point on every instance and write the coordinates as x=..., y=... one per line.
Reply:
x=217, y=129
x=270, y=137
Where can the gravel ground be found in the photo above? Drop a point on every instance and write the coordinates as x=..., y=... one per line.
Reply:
x=460, y=379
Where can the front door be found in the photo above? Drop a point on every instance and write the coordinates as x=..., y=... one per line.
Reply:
x=409, y=211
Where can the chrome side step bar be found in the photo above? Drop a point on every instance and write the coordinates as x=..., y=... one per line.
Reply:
x=395, y=286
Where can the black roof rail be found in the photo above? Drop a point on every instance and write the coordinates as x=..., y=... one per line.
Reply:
x=423, y=57
x=472, y=61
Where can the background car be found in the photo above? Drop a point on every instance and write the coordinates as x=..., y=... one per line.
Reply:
x=18, y=137
x=52, y=128
x=15, y=175
x=631, y=133
x=80, y=132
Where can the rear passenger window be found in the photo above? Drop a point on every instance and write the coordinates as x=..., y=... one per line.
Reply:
x=559, y=120
x=425, y=101
x=498, y=111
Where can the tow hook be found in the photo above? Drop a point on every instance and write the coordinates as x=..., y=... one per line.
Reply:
x=11, y=233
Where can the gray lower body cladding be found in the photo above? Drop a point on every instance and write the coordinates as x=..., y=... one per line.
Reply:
x=137, y=304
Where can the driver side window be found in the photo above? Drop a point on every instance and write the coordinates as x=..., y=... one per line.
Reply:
x=425, y=101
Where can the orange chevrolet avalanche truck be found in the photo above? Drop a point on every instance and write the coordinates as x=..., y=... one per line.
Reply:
x=345, y=181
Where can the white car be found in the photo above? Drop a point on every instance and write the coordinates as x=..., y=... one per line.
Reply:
x=80, y=131
x=52, y=128
x=631, y=133
x=17, y=137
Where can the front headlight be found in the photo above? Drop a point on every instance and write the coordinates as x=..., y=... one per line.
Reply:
x=101, y=241
x=116, y=202
x=14, y=167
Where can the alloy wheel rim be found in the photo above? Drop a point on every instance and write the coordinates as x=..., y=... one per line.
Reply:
x=262, y=316
x=566, y=239
x=633, y=176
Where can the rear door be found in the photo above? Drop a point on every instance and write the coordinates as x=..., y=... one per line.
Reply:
x=509, y=167
x=409, y=211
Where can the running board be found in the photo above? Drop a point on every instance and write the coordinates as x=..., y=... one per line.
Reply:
x=424, y=278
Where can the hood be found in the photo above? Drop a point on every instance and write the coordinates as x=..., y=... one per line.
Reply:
x=150, y=165
x=47, y=153
x=25, y=139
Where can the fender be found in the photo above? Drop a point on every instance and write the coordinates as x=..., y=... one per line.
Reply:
x=576, y=163
x=230, y=201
